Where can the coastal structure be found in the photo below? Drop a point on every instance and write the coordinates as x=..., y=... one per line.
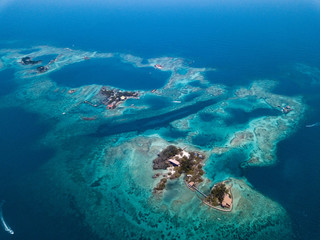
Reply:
x=174, y=162
x=227, y=201
x=158, y=66
x=112, y=97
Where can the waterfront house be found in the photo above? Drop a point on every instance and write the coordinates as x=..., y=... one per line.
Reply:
x=227, y=201
x=174, y=162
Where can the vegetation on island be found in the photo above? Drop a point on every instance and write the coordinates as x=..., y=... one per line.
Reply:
x=161, y=162
x=112, y=97
x=161, y=185
x=29, y=61
x=217, y=194
x=189, y=164
x=42, y=69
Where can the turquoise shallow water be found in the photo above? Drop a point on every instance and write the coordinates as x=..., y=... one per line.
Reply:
x=47, y=188
x=66, y=178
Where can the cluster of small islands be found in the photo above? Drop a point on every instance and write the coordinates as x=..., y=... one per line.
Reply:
x=162, y=166
x=110, y=97
x=176, y=161
x=29, y=61
x=179, y=162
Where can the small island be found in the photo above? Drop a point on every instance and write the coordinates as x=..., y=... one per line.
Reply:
x=110, y=97
x=113, y=97
x=42, y=69
x=29, y=61
x=178, y=161
x=220, y=197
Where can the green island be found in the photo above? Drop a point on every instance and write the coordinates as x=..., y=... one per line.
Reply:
x=29, y=61
x=178, y=161
x=110, y=97
x=113, y=97
x=220, y=196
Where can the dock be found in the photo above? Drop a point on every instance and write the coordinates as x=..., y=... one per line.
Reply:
x=93, y=105
x=196, y=189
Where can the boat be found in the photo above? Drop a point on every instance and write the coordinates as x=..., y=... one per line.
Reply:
x=158, y=66
x=71, y=91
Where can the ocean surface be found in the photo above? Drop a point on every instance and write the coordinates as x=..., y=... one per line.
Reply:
x=110, y=72
x=243, y=42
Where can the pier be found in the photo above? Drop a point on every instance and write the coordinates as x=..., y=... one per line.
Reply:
x=93, y=105
x=192, y=187
x=196, y=189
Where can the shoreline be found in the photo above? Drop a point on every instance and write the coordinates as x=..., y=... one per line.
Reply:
x=209, y=205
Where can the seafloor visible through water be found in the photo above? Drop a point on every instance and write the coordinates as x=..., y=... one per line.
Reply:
x=73, y=169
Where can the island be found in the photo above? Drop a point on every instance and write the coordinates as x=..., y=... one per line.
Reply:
x=42, y=69
x=113, y=97
x=178, y=161
x=220, y=197
x=110, y=97
x=29, y=61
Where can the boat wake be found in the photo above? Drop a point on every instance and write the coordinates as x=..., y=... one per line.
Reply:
x=313, y=125
x=3, y=223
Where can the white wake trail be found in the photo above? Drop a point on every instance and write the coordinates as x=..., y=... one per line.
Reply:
x=314, y=125
x=3, y=223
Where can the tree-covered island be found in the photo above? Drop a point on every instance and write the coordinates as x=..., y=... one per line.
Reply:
x=220, y=197
x=189, y=164
x=178, y=161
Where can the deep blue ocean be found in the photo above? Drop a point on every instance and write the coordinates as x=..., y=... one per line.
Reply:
x=243, y=41
x=123, y=76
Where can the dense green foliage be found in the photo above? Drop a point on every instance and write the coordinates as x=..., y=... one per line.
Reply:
x=190, y=166
x=114, y=96
x=161, y=185
x=161, y=161
x=186, y=165
x=218, y=191
x=29, y=61
x=170, y=151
